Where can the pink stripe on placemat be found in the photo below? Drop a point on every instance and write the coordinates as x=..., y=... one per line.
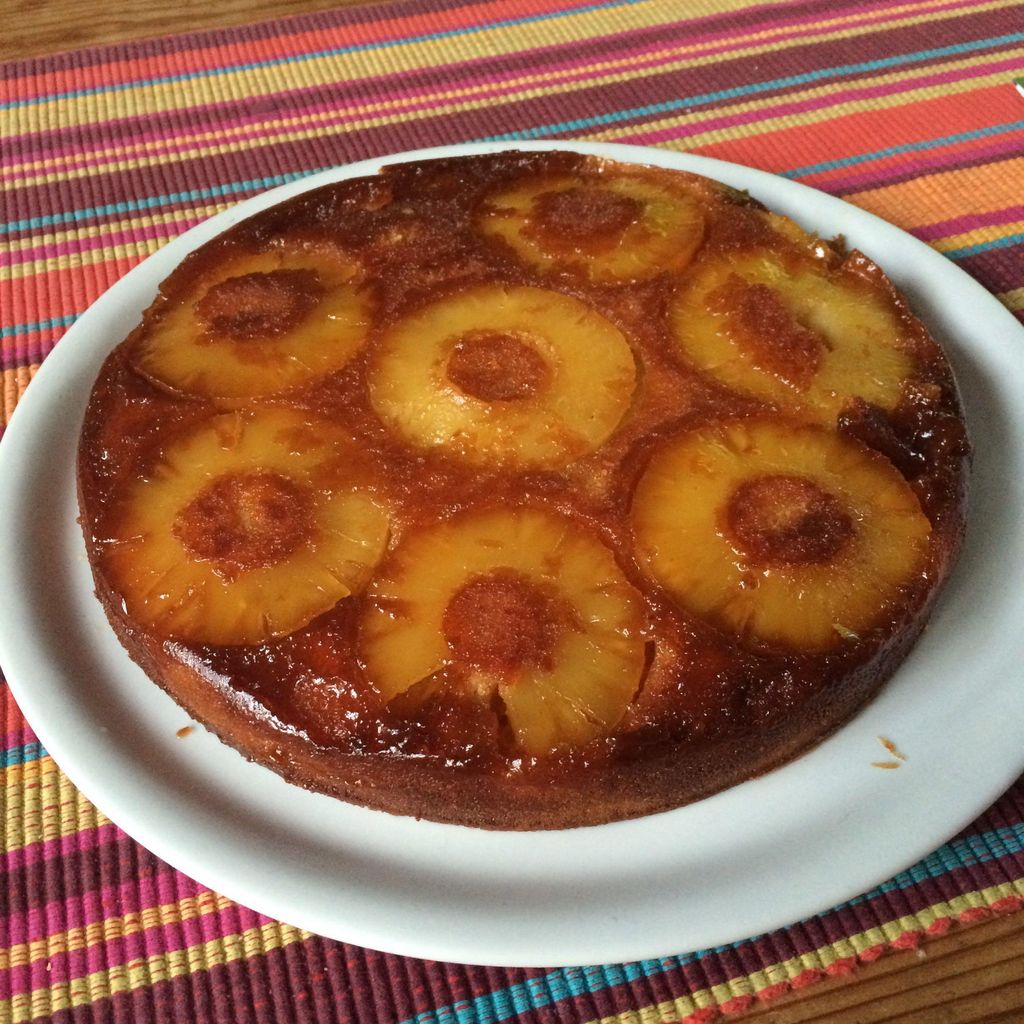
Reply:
x=133, y=892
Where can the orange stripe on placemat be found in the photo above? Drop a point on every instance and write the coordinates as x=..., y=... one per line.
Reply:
x=937, y=197
x=876, y=129
x=808, y=108
x=216, y=52
x=57, y=293
x=149, y=96
x=15, y=381
x=870, y=173
x=376, y=110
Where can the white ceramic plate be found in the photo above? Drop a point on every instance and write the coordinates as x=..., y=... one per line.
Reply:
x=758, y=856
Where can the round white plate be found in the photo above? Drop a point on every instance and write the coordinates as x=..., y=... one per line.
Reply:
x=758, y=856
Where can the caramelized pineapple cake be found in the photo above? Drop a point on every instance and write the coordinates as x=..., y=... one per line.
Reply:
x=524, y=490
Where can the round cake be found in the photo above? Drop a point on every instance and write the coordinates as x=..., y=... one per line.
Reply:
x=522, y=490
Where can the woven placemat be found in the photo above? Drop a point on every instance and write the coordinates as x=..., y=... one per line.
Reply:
x=907, y=110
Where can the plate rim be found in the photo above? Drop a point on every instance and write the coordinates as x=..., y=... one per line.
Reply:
x=395, y=936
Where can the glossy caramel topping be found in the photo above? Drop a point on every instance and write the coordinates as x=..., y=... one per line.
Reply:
x=246, y=520
x=440, y=287
x=259, y=305
x=502, y=622
x=497, y=366
x=577, y=215
x=768, y=330
x=787, y=520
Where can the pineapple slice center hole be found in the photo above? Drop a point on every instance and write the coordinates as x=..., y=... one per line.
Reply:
x=502, y=622
x=768, y=330
x=497, y=366
x=243, y=521
x=787, y=520
x=259, y=305
x=576, y=216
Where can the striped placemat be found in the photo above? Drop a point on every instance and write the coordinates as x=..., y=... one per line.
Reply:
x=906, y=109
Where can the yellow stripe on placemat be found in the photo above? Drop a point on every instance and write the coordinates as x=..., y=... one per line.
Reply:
x=40, y=804
x=142, y=973
x=75, y=939
x=258, y=940
x=314, y=73
x=311, y=129
x=978, y=235
x=76, y=234
x=274, y=131
x=829, y=112
x=143, y=248
x=1012, y=299
x=137, y=250
x=817, y=960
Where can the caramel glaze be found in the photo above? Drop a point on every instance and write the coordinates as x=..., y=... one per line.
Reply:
x=576, y=216
x=245, y=520
x=496, y=367
x=501, y=622
x=710, y=711
x=261, y=305
x=779, y=342
x=786, y=520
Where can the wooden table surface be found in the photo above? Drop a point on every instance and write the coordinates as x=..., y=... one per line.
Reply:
x=972, y=975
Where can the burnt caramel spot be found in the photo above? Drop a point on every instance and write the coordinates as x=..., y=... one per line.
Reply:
x=873, y=427
x=583, y=215
x=259, y=305
x=787, y=520
x=497, y=366
x=745, y=227
x=768, y=331
x=922, y=437
x=246, y=521
x=502, y=622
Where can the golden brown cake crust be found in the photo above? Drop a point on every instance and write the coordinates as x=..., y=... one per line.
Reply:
x=712, y=708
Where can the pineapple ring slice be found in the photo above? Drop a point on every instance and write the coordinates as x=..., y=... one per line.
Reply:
x=566, y=690
x=616, y=229
x=246, y=529
x=553, y=378
x=328, y=323
x=793, y=332
x=787, y=534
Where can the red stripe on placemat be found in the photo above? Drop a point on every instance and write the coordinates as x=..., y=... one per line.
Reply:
x=901, y=167
x=348, y=27
x=764, y=66
x=854, y=94
x=356, y=27
x=855, y=132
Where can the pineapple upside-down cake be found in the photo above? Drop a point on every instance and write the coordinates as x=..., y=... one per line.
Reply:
x=523, y=490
